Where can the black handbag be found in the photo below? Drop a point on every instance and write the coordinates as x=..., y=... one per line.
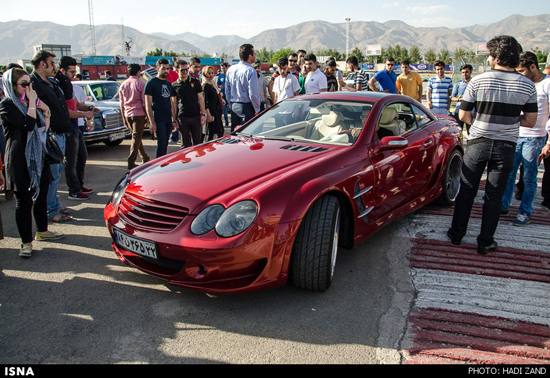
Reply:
x=54, y=154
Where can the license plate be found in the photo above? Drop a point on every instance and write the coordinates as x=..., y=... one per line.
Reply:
x=117, y=136
x=136, y=245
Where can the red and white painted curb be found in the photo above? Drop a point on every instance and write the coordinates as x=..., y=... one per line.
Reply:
x=479, y=309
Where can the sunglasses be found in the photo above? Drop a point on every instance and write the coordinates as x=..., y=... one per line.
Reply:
x=24, y=84
x=292, y=60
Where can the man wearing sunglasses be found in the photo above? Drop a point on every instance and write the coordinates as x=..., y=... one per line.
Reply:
x=292, y=68
x=385, y=78
x=49, y=91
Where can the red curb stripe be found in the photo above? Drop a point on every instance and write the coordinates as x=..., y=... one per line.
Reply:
x=444, y=336
x=539, y=216
x=482, y=321
x=440, y=255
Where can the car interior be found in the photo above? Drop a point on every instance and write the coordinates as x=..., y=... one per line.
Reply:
x=331, y=122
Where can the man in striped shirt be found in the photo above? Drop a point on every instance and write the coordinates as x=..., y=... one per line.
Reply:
x=499, y=97
x=439, y=90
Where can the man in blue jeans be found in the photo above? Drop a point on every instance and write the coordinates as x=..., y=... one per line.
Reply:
x=160, y=105
x=530, y=142
x=499, y=97
x=49, y=91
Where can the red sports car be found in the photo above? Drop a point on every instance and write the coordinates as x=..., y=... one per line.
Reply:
x=273, y=200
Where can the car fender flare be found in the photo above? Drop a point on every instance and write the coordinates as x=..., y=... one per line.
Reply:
x=302, y=200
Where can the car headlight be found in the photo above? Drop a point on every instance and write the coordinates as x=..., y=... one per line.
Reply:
x=233, y=221
x=236, y=219
x=98, y=122
x=119, y=191
x=207, y=219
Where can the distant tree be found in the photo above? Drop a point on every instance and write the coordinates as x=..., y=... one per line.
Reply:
x=264, y=55
x=155, y=52
x=399, y=53
x=285, y=52
x=445, y=56
x=356, y=52
x=388, y=53
x=414, y=54
x=430, y=56
x=161, y=52
x=332, y=53
x=459, y=53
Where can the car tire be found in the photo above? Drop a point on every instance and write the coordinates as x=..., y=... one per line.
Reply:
x=450, y=183
x=316, y=245
x=113, y=143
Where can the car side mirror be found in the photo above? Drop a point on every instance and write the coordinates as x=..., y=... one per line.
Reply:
x=392, y=143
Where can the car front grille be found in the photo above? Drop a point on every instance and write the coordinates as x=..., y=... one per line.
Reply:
x=144, y=213
x=113, y=120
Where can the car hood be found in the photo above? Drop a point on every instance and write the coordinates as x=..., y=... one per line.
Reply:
x=226, y=170
x=107, y=104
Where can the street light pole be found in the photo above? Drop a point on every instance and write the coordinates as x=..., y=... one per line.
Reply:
x=347, y=37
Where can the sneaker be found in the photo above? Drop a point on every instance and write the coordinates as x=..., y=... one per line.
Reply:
x=504, y=212
x=79, y=196
x=487, y=249
x=522, y=220
x=546, y=204
x=86, y=190
x=49, y=236
x=25, y=250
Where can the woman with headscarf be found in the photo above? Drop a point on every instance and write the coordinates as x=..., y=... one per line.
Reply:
x=25, y=120
x=213, y=103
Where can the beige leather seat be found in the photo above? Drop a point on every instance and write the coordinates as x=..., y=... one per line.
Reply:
x=329, y=124
x=390, y=120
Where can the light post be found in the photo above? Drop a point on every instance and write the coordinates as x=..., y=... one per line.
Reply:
x=347, y=37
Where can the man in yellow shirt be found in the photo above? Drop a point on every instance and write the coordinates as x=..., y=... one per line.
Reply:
x=409, y=83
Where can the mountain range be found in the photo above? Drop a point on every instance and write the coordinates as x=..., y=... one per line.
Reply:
x=17, y=38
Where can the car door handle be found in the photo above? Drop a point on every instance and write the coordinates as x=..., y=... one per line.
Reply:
x=428, y=143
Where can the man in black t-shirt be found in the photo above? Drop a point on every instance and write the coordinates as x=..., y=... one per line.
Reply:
x=160, y=105
x=190, y=105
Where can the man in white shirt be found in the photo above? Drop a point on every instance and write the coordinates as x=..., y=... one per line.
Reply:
x=530, y=142
x=316, y=80
x=285, y=85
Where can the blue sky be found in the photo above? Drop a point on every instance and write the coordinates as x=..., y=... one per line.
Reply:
x=248, y=18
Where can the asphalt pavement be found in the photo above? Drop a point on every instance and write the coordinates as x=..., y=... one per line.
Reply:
x=448, y=305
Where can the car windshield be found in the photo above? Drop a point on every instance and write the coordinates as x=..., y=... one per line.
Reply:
x=325, y=121
x=104, y=91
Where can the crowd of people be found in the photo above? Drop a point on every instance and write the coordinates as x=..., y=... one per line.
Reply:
x=505, y=112
x=36, y=108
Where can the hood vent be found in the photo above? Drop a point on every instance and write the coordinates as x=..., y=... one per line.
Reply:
x=298, y=147
x=229, y=140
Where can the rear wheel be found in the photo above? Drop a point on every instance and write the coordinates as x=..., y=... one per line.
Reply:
x=451, y=179
x=316, y=246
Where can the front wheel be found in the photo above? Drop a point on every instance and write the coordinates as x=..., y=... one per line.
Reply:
x=451, y=179
x=113, y=143
x=316, y=246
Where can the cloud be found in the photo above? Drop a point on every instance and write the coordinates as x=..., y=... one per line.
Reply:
x=429, y=9
x=390, y=5
x=430, y=22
